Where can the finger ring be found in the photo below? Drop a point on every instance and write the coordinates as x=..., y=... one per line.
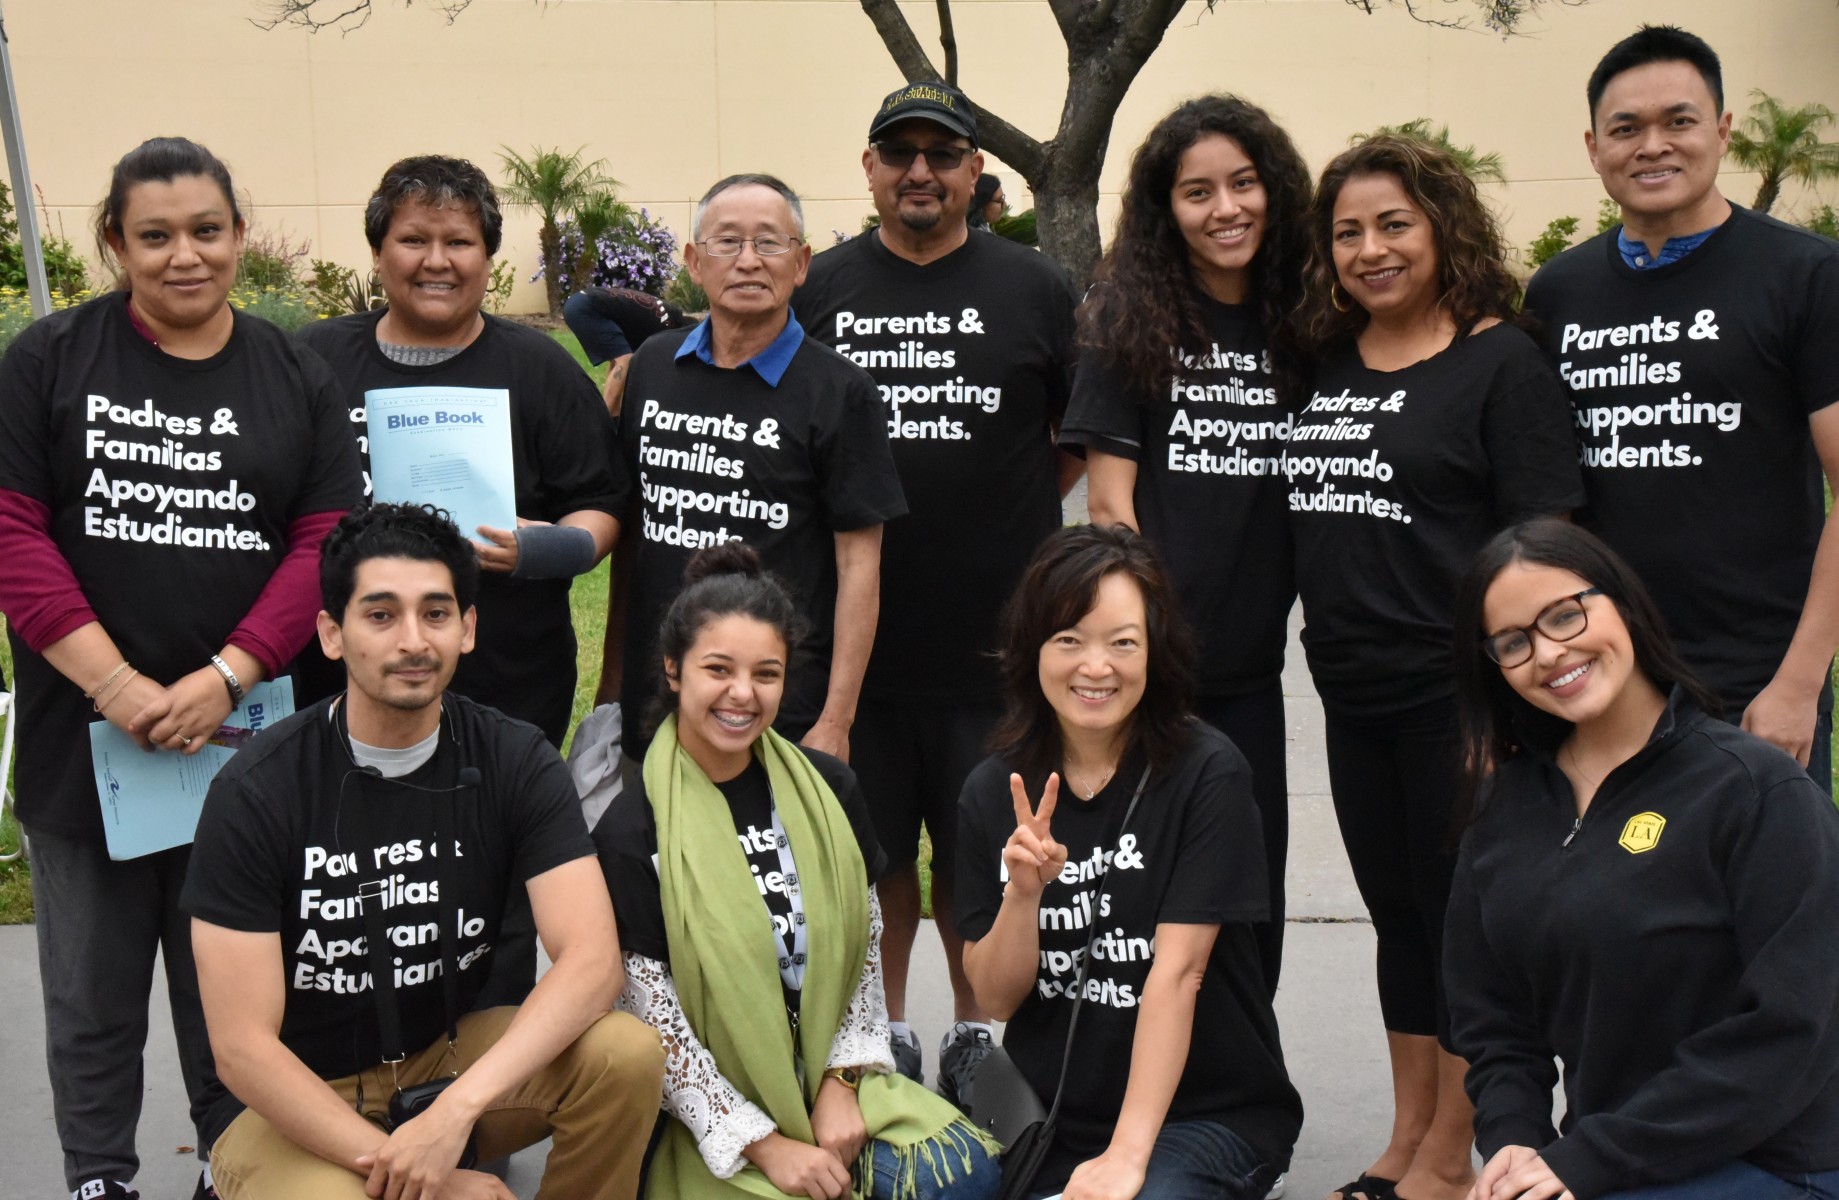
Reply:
x=184, y=741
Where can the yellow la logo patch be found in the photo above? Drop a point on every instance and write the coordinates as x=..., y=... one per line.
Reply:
x=1642, y=833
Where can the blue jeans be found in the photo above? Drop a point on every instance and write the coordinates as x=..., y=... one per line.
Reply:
x=1740, y=1181
x=1192, y=1160
x=979, y=1182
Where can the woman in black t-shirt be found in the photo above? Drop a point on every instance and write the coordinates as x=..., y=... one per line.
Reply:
x=1645, y=893
x=1183, y=399
x=741, y=870
x=433, y=225
x=1134, y=884
x=1432, y=421
x=168, y=469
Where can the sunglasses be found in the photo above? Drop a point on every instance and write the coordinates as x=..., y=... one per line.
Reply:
x=938, y=158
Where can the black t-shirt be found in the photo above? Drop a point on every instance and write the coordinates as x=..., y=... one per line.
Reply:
x=562, y=462
x=627, y=841
x=1396, y=479
x=1210, y=491
x=721, y=455
x=1193, y=855
x=280, y=850
x=1675, y=949
x=1692, y=385
x=171, y=484
x=971, y=355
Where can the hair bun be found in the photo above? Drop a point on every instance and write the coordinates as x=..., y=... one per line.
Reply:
x=727, y=558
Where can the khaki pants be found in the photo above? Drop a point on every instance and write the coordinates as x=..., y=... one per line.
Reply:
x=598, y=1099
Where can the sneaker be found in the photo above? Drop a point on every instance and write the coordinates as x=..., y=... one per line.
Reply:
x=1276, y=1192
x=959, y=1054
x=906, y=1054
x=104, y=1189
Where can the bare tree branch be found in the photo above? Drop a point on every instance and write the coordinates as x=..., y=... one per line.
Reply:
x=315, y=15
x=1067, y=14
x=898, y=37
x=999, y=137
x=948, y=42
x=1497, y=16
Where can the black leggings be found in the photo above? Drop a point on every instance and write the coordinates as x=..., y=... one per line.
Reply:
x=1395, y=793
x=1255, y=724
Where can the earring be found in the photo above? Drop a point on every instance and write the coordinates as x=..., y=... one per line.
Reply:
x=1334, y=297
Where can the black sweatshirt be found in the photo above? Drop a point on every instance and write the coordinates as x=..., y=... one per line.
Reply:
x=1677, y=949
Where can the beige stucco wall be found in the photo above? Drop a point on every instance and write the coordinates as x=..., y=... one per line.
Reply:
x=676, y=93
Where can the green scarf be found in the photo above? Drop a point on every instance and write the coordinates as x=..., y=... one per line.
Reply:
x=724, y=960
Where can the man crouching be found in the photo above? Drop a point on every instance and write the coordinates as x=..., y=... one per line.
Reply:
x=340, y=945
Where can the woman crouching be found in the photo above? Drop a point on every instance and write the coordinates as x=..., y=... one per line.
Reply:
x=741, y=869
x=1127, y=896
x=1645, y=893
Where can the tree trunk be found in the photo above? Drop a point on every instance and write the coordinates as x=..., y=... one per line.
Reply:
x=549, y=241
x=1767, y=193
x=1066, y=217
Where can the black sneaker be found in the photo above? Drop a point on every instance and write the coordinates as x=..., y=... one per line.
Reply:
x=104, y=1189
x=906, y=1054
x=959, y=1054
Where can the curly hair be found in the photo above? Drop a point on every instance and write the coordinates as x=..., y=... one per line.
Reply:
x=436, y=181
x=1146, y=304
x=1473, y=281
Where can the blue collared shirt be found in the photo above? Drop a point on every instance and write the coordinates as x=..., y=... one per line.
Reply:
x=1636, y=255
x=770, y=363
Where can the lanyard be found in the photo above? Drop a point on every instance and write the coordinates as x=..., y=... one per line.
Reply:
x=791, y=966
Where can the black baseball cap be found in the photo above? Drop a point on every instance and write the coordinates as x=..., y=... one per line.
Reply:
x=940, y=103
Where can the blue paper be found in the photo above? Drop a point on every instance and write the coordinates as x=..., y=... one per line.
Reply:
x=151, y=799
x=445, y=446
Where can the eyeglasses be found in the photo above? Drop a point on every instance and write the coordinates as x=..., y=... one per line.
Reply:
x=938, y=158
x=766, y=245
x=1560, y=621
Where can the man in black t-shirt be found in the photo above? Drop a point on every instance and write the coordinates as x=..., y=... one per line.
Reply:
x=1698, y=343
x=969, y=340
x=351, y=871
x=745, y=429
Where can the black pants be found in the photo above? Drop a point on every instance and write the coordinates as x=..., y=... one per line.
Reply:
x=1395, y=789
x=1255, y=723
x=100, y=923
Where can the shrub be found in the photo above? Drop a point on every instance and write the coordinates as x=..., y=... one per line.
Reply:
x=498, y=288
x=638, y=253
x=66, y=271
x=335, y=291
x=271, y=261
x=686, y=293
x=1824, y=221
x=1554, y=241
x=286, y=308
x=1608, y=215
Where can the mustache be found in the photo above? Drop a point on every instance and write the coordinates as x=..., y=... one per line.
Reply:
x=924, y=189
x=413, y=664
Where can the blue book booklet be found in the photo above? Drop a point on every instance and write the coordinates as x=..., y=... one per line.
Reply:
x=445, y=446
x=151, y=799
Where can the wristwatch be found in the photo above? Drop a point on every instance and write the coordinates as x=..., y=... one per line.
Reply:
x=849, y=1077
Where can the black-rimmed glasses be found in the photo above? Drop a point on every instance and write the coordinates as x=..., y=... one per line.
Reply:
x=1559, y=621
x=766, y=245
x=938, y=158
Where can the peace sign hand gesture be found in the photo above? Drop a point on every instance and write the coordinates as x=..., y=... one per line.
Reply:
x=1031, y=855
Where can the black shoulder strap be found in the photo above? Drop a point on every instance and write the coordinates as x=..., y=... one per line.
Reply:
x=374, y=896
x=1085, y=960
